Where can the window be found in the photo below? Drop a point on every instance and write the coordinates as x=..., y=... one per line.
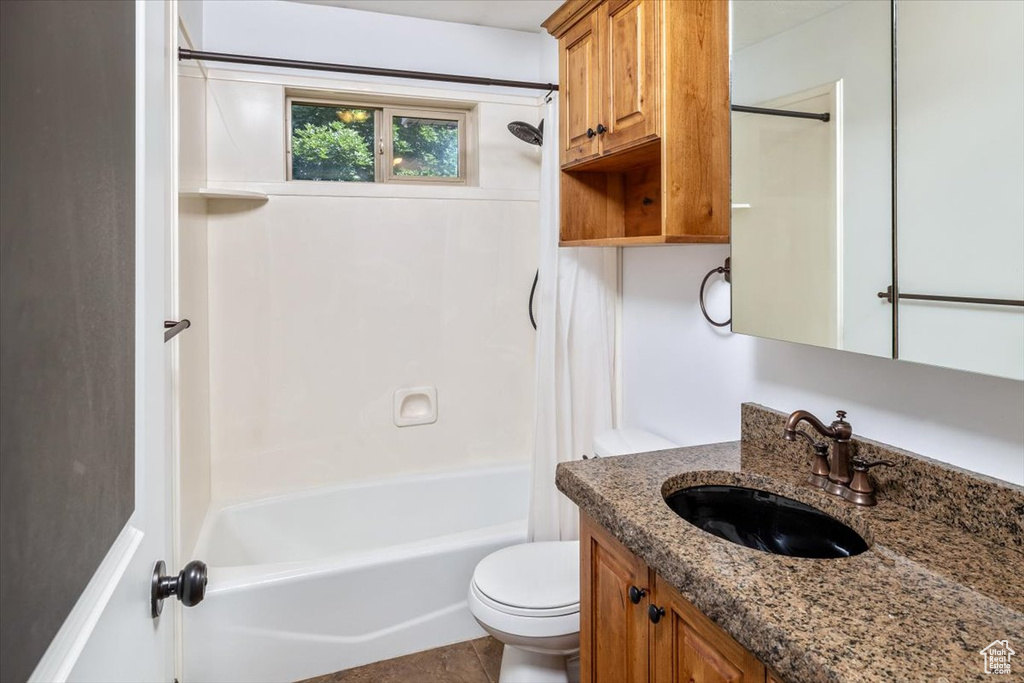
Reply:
x=345, y=142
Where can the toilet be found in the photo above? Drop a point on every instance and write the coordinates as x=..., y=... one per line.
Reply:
x=528, y=596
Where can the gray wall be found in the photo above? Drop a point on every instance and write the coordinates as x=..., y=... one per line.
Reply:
x=67, y=308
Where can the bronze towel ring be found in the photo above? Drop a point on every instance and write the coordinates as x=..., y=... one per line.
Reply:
x=725, y=269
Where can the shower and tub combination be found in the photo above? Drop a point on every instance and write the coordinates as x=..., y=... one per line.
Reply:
x=319, y=581
x=344, y=525
x=327, y=579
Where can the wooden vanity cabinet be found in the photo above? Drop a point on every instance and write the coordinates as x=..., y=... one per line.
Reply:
x=644, y=121
x=689, y=648
x=621, y=643
x=613, y=630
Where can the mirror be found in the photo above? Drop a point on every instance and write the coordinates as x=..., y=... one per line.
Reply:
x=812, y=210
x=960, y=184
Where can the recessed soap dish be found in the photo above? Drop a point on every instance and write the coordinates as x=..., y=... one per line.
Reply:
x=416, y=406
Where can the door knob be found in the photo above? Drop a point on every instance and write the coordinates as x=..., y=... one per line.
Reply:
x=636, y=594
x=601, y=130
x=590, y=132
x=655, y=613
x=189, y=586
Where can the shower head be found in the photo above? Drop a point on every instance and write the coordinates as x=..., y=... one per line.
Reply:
x=527, y=133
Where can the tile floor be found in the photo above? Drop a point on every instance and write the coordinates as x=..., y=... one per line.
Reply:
x=473, y=661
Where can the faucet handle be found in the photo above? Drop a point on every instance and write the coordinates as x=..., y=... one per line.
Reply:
x=861, y=491
x=819, y=468
x=862, y=465
x=841, y=415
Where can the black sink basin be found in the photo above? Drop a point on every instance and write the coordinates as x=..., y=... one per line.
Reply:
x=766, y=521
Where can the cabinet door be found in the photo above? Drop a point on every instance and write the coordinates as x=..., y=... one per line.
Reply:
x=580, y=89
x=631, y=54
x=613, y=630
x=690, y=648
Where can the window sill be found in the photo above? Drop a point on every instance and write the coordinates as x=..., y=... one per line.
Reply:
x=311, y=188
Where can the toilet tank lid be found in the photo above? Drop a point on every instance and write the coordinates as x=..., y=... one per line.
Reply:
x=623, y=441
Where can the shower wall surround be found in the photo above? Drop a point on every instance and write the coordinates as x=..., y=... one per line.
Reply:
x=193, y=347
x=329, y=297
x=311, y=309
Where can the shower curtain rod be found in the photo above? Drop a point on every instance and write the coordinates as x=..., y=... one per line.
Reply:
x=200, y=55
x=782, y=112
x=185, y=53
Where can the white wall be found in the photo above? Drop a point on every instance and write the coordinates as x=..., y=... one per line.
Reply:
x=960, y=170
x=295, y=30
x=850, y=44
x=329, y=297
x=190, y=18
x=684, y=380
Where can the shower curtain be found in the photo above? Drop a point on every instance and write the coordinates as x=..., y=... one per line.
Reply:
x=575, y=356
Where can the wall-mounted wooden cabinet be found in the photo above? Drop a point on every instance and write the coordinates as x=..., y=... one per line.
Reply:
x=609, y=72
x=623, y=641
x=644, y=121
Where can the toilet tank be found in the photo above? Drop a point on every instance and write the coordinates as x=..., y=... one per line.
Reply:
x=623, y=441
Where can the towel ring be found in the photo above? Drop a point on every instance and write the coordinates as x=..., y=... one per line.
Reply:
x=727, y=270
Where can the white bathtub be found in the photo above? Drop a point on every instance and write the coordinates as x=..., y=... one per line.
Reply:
x=320, y=581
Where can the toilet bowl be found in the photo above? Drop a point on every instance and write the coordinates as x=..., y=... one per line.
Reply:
x=528, y=596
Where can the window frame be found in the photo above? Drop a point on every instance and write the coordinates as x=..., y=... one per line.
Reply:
x=389, y=114
x=384, y=152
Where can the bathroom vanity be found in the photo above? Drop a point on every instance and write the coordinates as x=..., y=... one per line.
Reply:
x=636, y=627
x=663, y=600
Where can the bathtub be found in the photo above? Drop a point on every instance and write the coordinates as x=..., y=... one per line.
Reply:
x=319, y=581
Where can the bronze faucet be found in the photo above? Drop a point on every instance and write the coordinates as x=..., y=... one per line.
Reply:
x=834, y=474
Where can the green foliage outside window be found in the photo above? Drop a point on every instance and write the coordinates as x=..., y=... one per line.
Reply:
x=332, y=143
x=426, y=147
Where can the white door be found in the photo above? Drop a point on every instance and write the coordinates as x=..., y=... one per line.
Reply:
x=110, y=634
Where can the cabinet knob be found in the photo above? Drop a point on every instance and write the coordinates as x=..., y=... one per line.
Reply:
x=601, y=130
x=636, y=594
x=590, y=132
x=655, y=613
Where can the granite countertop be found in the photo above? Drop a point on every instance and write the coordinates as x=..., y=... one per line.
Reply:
x=939, y=582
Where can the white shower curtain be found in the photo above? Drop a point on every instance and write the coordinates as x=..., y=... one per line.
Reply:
x=575, y=365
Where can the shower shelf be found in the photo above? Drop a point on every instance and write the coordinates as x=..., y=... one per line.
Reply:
x=214, y=193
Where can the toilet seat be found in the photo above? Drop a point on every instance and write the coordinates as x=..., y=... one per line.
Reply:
x=532, y=579
x=537, y=626
x=529, y=590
